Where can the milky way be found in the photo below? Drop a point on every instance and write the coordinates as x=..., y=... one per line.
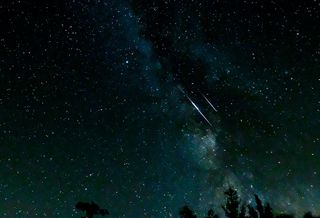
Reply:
x=144, y=106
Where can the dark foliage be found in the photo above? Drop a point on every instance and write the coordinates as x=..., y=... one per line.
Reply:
x=268, y=211
x=309, y=215
x=186, y=212
x=243, y=211
x=212, y=214
x=259, y=206
x=231, y=208
x=91, y=209
x=262, y=211
x=252, y=212
x=285, y=216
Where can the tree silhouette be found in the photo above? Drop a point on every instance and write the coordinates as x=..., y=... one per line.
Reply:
x=231, y=208
x=243, y=211
x=285, y=216
x=268, y=211
x=252, y=212
x=308, y=215
x=260, y=210
x=212, y=214
x=91, y=209
x=259, y=206
x=186, y=212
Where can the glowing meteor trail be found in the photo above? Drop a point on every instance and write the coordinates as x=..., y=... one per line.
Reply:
x=196, y=107
x=209, y=103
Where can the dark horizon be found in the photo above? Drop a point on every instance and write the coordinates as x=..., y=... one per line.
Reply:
x=232, y=207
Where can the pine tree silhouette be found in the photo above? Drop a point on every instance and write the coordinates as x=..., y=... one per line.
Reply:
x=268, y=211
x=285, y=216
x=243, y=211
x=308, y=215
x=259, y=206
x=252, y=212
x=231, y=209
x=212, y=214
x=186, y=212
x=91, y=209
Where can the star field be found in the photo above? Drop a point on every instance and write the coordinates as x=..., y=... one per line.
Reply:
x=101, y=100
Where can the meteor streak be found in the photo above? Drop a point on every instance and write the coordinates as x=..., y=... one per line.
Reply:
x=196, y=107
x=209, y=103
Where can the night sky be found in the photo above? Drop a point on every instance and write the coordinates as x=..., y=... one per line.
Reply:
x=101, y=100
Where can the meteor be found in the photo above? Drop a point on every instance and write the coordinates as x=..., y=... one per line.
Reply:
x=196, y=107
x=209, y=103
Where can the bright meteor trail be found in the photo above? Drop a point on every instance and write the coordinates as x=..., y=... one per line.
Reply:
x=209, y=103
x=196, y=107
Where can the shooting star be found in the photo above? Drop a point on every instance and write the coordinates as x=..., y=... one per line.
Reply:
x=196, y=107
x=213, y=107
